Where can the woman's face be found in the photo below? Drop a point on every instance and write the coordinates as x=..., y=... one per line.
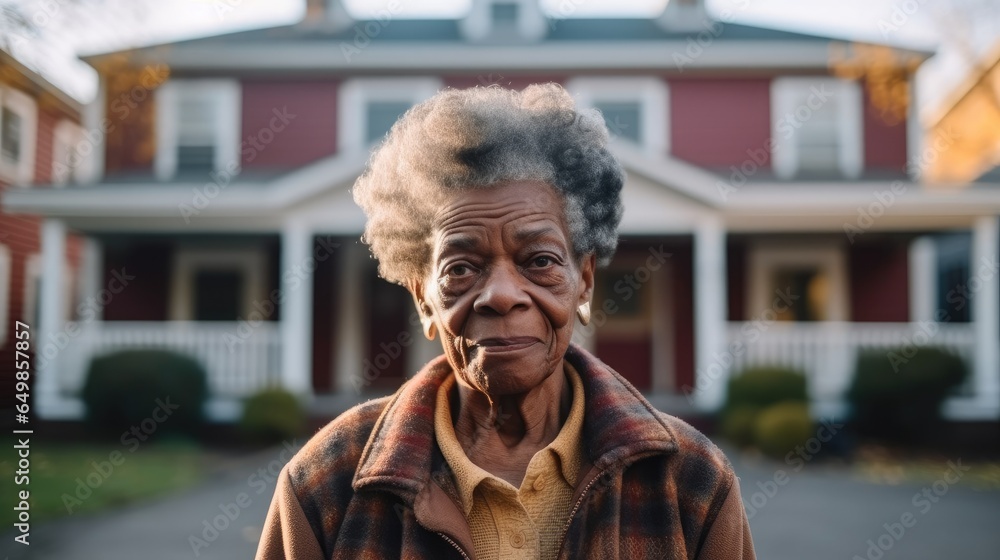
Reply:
x=503, y=285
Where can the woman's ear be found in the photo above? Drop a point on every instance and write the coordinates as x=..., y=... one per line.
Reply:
x=588, y=266
x=424, y=309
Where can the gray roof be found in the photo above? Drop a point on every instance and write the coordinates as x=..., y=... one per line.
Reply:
x=447, y=30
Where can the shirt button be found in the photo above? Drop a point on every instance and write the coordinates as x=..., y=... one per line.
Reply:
x=517, y=539
x=539, y=483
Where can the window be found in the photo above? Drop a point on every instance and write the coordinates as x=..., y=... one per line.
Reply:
x=797, y=282
x=198, y=127
x=381, y=116
x=504, y=14
x=17, y=136
x=817, y=128
x=218, y=295
x=634, y=109
x=217, y=284
x=10, y=138
x=623, y=118
x=504, y=21
x=368, y=107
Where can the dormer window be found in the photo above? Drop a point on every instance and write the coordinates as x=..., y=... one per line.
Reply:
x=504, y=15
x=504, y=20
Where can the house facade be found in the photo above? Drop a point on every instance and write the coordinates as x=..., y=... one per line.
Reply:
x=773, y=214
x=38, y=125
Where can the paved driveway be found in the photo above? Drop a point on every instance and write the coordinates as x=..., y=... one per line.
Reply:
x=819, y=513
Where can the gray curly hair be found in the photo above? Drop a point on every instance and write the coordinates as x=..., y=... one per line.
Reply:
x=475, y=138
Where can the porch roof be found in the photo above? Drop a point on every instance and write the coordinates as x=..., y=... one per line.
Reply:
x=789, y=205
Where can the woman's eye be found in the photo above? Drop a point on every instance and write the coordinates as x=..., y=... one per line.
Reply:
x=542, y=261
x=459, y=270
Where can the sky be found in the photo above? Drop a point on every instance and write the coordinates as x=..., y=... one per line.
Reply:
x=117, y=24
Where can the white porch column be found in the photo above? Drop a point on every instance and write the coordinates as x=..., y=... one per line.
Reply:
x=351, y=321
x=297, y=268
x=923, y=279
x=91, y=275
x=92, y=170
x=986, y=311
x=711, y=369
x=50, y=339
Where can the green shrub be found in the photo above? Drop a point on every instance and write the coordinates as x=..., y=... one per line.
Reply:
x=272, y=415
x=755, y=390
x=763, y=386
x=737, y=424
x=781, y=427
x=125, y=388
x=896, y=395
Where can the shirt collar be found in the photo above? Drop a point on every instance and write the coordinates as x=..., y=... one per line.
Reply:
x=567, y=445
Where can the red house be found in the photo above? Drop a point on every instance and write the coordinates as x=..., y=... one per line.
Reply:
x=39, y=125
x=773, y=213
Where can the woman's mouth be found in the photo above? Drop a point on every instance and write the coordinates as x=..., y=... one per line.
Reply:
x=499, y=345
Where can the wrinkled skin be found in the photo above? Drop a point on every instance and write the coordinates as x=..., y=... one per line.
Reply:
x=502, y=291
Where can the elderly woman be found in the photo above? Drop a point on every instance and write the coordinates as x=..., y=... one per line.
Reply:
x=493, y=208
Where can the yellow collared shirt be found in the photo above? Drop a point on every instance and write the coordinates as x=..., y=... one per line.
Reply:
x=509, y=522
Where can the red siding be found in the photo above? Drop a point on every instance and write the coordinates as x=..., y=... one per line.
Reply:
x=45, y=139
x=880, y=282
x=885, y=144
x=720, y=122
x=309, y=134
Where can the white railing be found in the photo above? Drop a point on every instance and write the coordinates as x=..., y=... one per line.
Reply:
x=239, y=358
x=826, y=352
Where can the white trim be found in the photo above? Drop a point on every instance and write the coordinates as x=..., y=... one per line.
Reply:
x=226, y=95
x=6, y=271
x=94, y=122
x=23, y=171
x=250, y=261
x=923, y=279
x=793, y=99
x=478, y=24
x=651, y=93
x=764, y=256
x=69, y=163
x=355, y=94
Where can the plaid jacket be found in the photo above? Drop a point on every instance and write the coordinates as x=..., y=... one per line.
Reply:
x=373, y=483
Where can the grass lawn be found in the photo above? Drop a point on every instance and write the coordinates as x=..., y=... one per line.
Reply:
x=58, y=469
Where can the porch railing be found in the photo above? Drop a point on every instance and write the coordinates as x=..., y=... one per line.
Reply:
x=239, y=358
x=826, y=352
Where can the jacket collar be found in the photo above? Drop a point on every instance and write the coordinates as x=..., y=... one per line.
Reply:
x=400, y=456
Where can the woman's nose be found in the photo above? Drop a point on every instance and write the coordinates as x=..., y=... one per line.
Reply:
x=502, y=291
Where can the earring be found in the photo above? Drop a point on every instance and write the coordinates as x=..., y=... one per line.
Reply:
x=583, y=312
x=430, y=330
